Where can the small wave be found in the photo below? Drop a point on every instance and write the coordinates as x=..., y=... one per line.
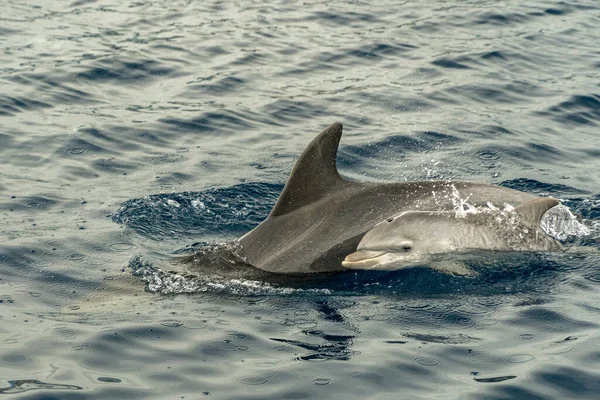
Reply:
x=221, y=212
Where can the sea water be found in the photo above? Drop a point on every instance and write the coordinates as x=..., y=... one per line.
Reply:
x=131, y=132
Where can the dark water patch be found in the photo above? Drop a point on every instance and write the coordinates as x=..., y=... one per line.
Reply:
x=514, y=392
x=540, y=188
x=224, y=122
x=342, y=18
x=79, y=3
x=507, y=19
x=6, y=142
x=101, y=141
x=525, y=89
x=395, y=146
x=7, y=31
x=131, y=138
x=108, y=379
x=216, y=212
x=56, y=86
x=100, y=135
x=458, y=63
x=75, y=173
x=220, y=87
x=495, y=379
x=536, y=315
x=173, y=178
x=486, y=94
x=496, y=55
x=124, y=71
x=321, y=346
x=439, y=138
x=391, y=49
x=577, y=110
x=366, y=54
x=287, y=111
x=591, y=152
x=112, y=166
x=253, y=57
x=555, y=11
x=544, y=151
x=570, y=382
x=11, y=105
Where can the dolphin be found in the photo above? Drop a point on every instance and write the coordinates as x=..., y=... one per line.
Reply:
x=320, y=217
x=411, y=238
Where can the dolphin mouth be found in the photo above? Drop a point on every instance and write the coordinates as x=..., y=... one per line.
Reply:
x=364, y=259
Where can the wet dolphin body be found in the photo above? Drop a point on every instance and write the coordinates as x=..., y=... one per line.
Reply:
x=320, y=217
x=412, y=238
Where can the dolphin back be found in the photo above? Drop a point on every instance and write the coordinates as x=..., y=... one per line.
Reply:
x=320, y=217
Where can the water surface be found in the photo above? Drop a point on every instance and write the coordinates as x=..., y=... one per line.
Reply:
x=139, y=128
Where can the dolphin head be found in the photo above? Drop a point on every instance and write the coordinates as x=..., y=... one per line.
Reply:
x=404, y=240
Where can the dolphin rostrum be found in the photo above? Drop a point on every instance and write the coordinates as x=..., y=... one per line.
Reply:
x=411, y=238
x=320, y=217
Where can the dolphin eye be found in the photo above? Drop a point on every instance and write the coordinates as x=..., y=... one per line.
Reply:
x=390, y=220
x=406, y=247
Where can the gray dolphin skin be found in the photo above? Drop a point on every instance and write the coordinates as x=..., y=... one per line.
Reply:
x=410, y=238
x=320, y=217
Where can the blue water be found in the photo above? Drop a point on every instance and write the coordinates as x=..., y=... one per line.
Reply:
x=131, y=132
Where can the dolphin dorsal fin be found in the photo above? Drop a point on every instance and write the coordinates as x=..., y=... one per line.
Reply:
x=314, y=174
x=533, y=211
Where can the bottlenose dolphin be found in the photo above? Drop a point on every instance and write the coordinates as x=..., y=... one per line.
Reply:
x=320, y=217
x=412, y=237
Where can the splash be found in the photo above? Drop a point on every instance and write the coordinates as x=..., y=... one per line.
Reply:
x=173, y=282
x=559, y=222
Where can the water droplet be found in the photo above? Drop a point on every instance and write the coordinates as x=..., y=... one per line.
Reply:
x=171, y=323
x=253, y=380
x=222, y=346
x=121, y=246
x=557, y=348
x=356, y=375
x=488, y=155
x=306, y=325
x=527, y=336
x=236, y=334
x=430, y=362
x=75, y=151
x=68, y=334
x=321, y=381
x=131, y=335
x=519, y=358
